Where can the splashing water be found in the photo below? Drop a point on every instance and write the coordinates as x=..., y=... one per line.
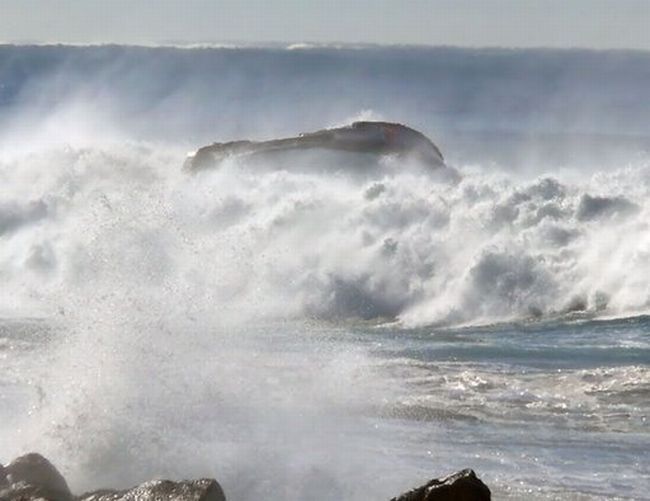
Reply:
x=317, y=333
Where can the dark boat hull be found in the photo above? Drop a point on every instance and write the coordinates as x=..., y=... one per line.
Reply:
x=372, y=138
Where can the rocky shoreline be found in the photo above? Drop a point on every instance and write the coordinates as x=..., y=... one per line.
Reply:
x=33, y=477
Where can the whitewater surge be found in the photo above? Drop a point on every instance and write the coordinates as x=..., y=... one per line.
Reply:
x=319, y=331
x=324, y=244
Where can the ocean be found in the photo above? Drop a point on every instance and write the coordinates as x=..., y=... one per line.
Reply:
x=327, y=333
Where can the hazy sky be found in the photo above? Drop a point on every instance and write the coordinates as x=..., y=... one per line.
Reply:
x=521, y=23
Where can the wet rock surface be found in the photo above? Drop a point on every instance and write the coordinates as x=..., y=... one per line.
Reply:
x=32, y=477
x=163, y=490
x=461, y=486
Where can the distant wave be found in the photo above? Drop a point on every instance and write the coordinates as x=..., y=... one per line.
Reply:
x=198, y=94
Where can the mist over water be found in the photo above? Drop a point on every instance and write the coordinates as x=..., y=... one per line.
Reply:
x=295, y=332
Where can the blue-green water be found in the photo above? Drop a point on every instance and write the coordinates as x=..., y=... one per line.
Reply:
x=541, y=410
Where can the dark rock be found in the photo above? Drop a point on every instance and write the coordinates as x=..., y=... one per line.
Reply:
x=3, y=477
x=163, y=490
x=32, y=476
x=461, y=486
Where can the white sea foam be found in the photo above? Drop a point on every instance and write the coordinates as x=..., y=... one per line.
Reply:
x=327, y=244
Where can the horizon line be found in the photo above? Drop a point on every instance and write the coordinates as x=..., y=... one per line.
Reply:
x=306, y=46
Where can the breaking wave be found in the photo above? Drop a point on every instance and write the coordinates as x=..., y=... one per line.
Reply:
x=93, y=200
x=284, y=243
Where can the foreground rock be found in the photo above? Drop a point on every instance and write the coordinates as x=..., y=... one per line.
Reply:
x=461, y=486
x=32, y=477
x=163, y=490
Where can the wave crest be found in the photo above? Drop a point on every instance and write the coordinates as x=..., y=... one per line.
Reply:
x=286, y=243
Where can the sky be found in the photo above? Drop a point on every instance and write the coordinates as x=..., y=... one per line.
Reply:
x=596, y=24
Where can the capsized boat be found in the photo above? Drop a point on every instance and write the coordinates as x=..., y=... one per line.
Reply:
x=380, y=138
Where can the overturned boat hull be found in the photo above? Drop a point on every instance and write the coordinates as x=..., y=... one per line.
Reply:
x=375, y=138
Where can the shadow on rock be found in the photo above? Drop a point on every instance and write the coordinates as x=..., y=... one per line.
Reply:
x=461, y=486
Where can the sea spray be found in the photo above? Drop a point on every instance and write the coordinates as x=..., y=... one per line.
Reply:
x=289, y=244
x=325, y=333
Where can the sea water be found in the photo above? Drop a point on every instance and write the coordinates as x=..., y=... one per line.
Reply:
x=326, y=333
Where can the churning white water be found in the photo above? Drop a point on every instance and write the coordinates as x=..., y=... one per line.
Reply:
x=324, y=333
